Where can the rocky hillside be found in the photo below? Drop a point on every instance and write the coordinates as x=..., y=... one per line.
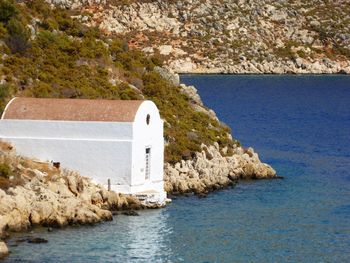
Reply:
x=48, y=52
x=230, y=36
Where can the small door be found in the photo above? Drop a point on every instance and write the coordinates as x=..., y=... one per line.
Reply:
x=148, y=163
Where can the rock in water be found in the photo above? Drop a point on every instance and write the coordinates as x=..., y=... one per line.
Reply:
x=4, y=251
x=202, y=195
x=130, y=213
x=37, y=240
x=115, y=213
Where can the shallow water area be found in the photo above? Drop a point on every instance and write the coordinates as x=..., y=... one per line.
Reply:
x=298, y=124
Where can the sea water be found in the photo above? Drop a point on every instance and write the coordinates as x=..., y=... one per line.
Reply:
x=298, y=124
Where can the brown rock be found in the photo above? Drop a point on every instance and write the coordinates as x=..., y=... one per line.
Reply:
x=4, y=251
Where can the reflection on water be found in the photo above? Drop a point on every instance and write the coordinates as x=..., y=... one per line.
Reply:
x=126, y=238
x=144, y=237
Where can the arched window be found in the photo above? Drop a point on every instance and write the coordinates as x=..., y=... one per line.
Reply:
x=148, y=119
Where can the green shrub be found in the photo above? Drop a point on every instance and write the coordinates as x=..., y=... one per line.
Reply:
x=4, y=94
x=9, y=178
x=90, y=48
x=3, y=31
x=7, y=10
x=344, y=51
x=5, y=170
x=301, y=54
x=18, y=37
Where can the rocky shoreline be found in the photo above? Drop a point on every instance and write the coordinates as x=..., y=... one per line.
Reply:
x=36, y=193
x=53, y=198
x=212, y=168
x=209, y=170
x=44, y=195
x=298, y=66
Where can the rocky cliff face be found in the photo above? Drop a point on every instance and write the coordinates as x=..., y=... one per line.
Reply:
x=241, y=36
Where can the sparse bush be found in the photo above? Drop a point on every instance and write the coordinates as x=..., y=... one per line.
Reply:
x=90, y=48
x=7, y=10
x=18, y=37
x=344, y=51
x=3, y=31
x=284, y=52
x=4, y=94
x=301, y=54
x=5, y=170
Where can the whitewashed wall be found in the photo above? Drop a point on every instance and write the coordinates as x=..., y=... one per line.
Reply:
x=91, y=148
x=66, y=129
x=148, y=136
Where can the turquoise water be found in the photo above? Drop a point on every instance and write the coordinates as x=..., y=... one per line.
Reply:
x=300, y=125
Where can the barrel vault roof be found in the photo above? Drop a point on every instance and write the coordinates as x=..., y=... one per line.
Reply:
x=72, y=109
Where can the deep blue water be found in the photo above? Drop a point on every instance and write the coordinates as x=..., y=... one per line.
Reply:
x=298, y=124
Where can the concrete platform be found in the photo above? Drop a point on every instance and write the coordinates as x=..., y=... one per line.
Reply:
x=152, y=199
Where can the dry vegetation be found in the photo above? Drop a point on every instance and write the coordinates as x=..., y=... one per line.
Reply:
x=16, y=170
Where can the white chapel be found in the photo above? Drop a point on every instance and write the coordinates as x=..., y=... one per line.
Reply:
x=118, y=143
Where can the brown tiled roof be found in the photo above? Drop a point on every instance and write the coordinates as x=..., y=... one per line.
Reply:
x=72, y=109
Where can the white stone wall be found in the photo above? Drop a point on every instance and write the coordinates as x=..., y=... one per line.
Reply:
x=150, y=135
x=66, y=129
x=86, y=147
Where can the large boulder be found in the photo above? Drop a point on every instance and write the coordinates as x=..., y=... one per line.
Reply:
x=4, y=251
x=165, y=49
x=168, y=75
